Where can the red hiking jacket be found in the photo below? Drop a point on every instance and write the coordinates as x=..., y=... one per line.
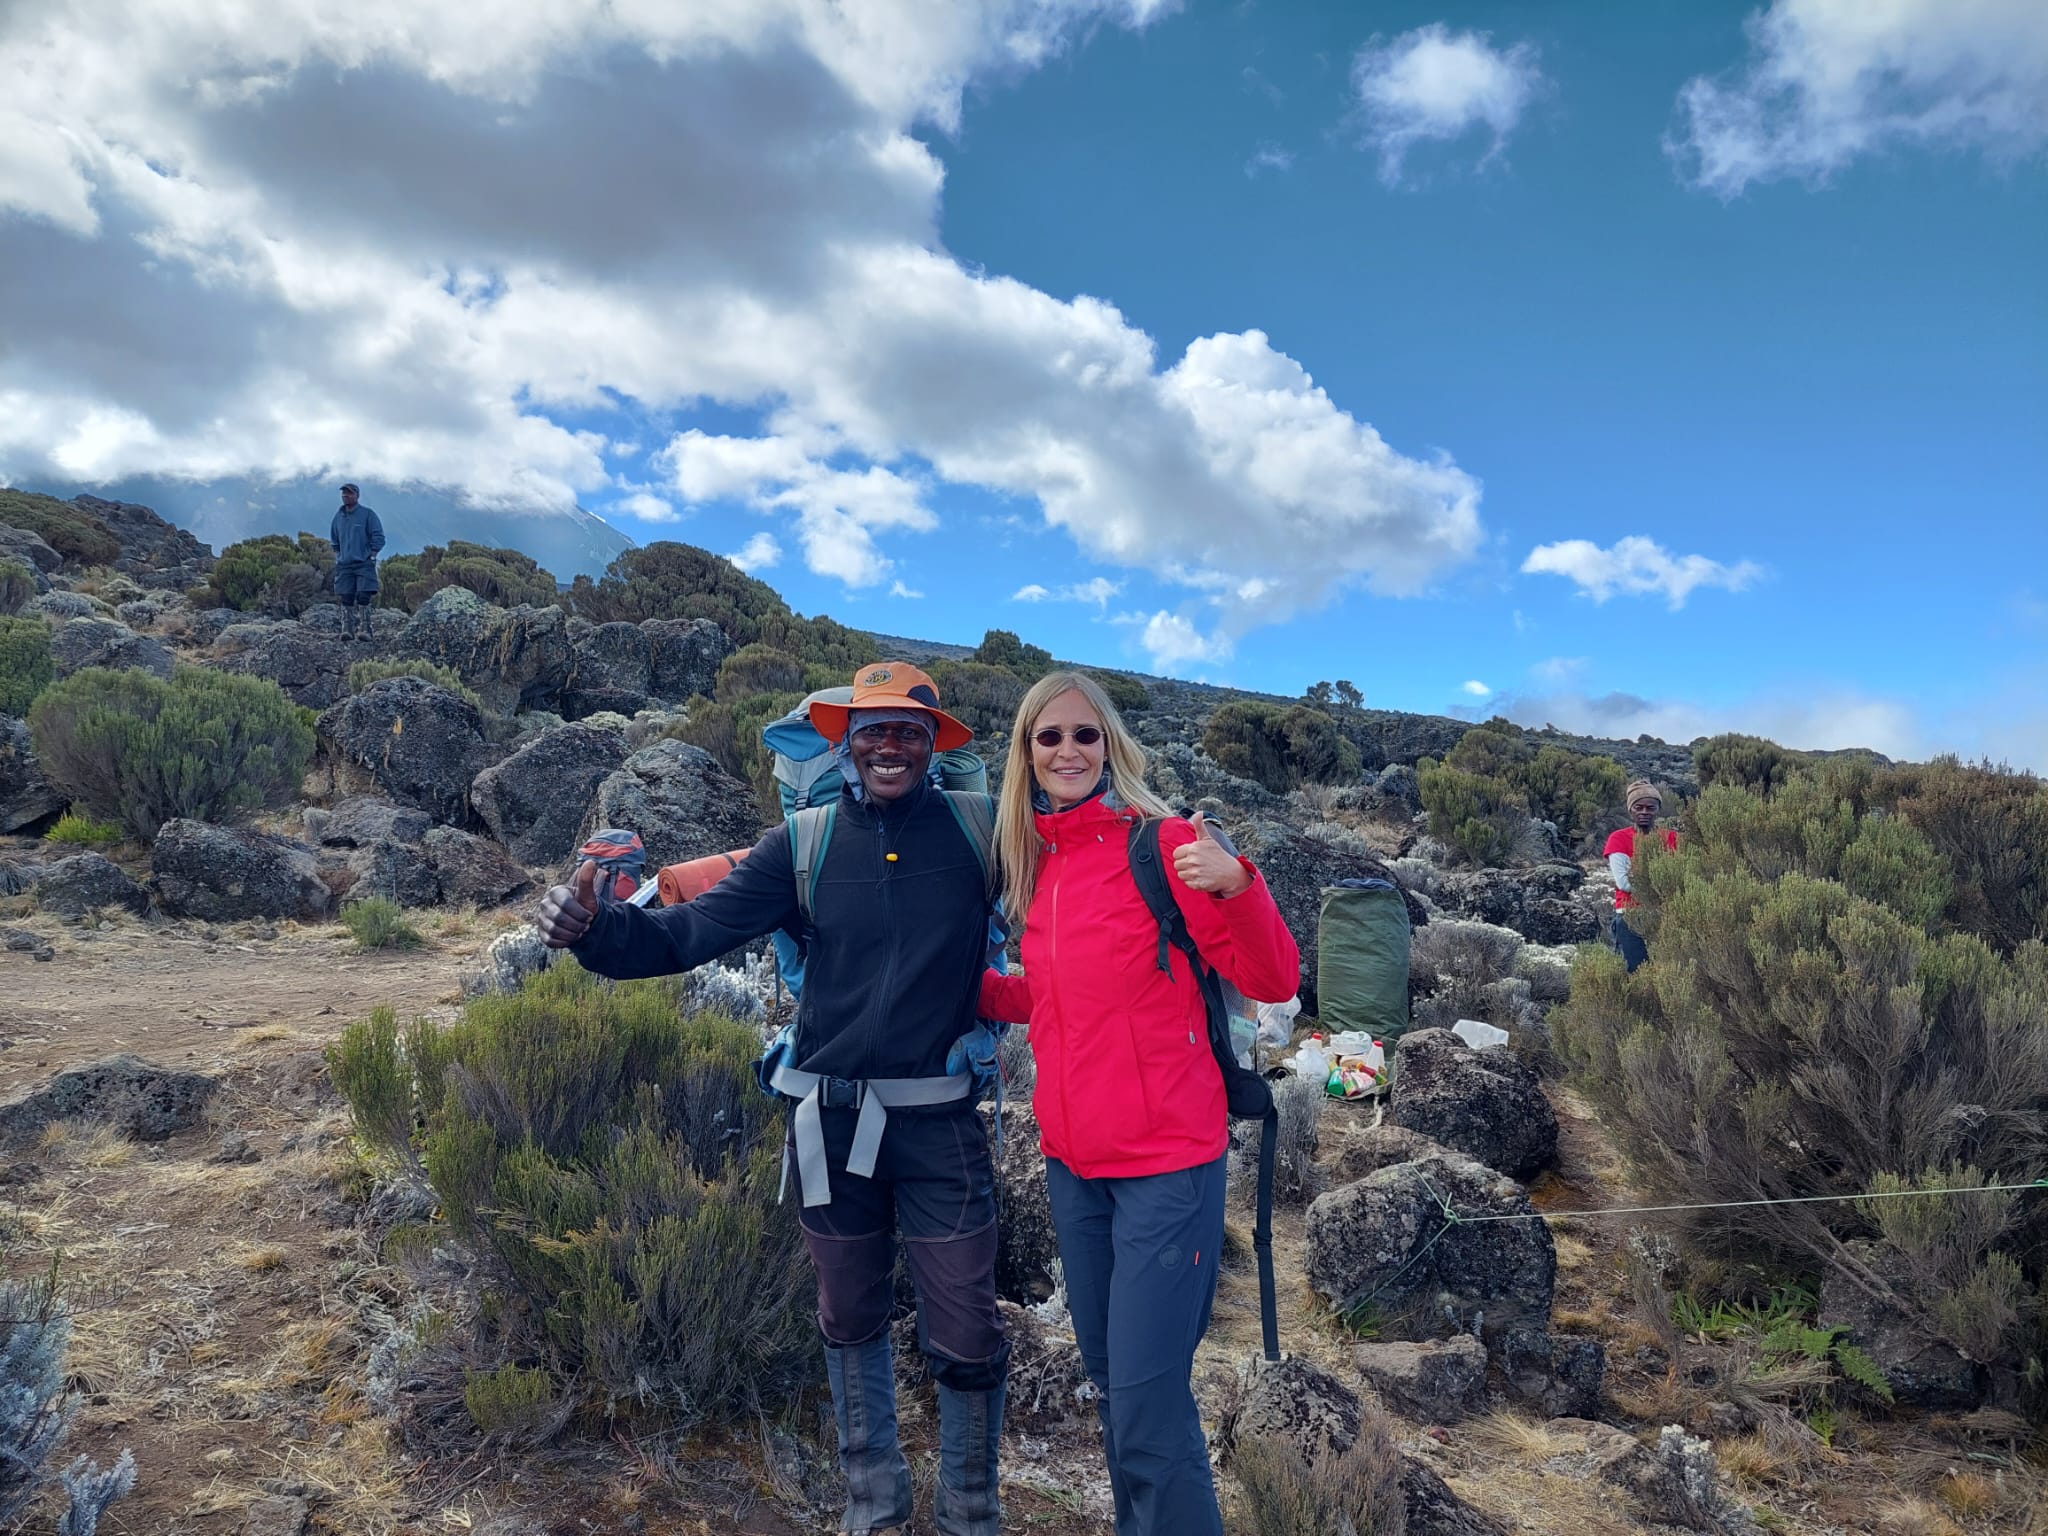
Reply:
x=1126, y=1082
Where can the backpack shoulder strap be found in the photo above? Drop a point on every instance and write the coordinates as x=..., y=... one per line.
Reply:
x=810, y=834
x=976, y=814
x=1148, y=868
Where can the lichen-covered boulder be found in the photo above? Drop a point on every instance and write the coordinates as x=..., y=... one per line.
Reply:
x=26, y=797
x=225, y=874
x=1487, y=1104
x=536, y=801
x=680, y=801
x=309, y=666
x=88, y=882
x=1388, y=1242
x=683, y=657
x=137, y=1097
x=422, y=744
x=95, y=642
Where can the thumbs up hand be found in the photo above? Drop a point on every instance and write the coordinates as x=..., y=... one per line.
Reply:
x=1206, y=865
x=567, y=911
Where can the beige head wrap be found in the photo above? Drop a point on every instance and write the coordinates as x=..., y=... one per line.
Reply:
x=1642, y=789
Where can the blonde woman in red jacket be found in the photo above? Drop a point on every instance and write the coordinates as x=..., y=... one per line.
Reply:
x=1129, y=1100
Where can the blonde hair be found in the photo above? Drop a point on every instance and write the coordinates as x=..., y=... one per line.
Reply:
x=1018, y=845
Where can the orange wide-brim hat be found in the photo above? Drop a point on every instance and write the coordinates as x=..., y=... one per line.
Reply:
x=892, y=685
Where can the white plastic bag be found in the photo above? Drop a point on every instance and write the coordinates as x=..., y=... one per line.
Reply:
x=1481, y=1037
x=1276, y=1022
x=1312, y=1060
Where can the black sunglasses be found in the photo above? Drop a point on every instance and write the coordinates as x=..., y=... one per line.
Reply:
x=1052, y=736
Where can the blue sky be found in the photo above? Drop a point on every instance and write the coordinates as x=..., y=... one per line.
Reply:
x=1675, y=368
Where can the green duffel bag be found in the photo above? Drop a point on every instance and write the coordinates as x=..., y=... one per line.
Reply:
x=1362, y=961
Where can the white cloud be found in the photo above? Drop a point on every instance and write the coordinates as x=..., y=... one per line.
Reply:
x=760, y=553
x=1823, y=722
x=1559, y=671
x=1828, y=81
x=1097, y=590
x=1174, y=643
x=1476, y=688
x=219, y=264
x=648, y=507
x=1636, y=566
x=898, y=589
x=1435, y=85
x=1269, y=157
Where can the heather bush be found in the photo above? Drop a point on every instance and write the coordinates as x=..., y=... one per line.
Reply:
x=1480, y=815
x=377, y=922
x=1002, y=648
x=1580, y=794
x=130, y=747
x=501, y=576
x=615, y=1167
x=271, y=574
x=1279, y=746
x=1128, y=694
x=1990, y=827
x=73, y=532
x=1808, y=1027
x=666, y=580
x=375, y=669
x=25, y=665
x=985, y=697
x=1744, y=762
x=1355, y=1491
x=17, y=586
x=758, y=669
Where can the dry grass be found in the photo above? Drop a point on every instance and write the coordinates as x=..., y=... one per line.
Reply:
x=1915, y=1517
x=1970, y=1494
x=1661, y=1400
x=1515, y=1438
x=263, y=1034
x=1753, y=1460
x=1573, y=1254
x=56, y=1136
x=106, y=1147
x=260, y=1259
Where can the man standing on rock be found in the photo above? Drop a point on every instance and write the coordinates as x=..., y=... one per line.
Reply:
x=1645, y=805
x=357, y=536
x=884, y=1136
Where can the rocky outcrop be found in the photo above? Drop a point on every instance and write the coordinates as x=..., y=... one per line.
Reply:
x=1538, y=902
x=1921, y=1369
x=80, y=643
x=1027, y=1247
x=361, y=820
x=507, y=961
x=138, y=1098
x=1671, y=1482
x=514, y=658
x=536, y=801
x=611, y=671
x=311, y=667
x=1439, y=1381
x=19, y=546
x=26, y=797
x=680, y=801
x=421, y=743
x=1559, y=1375
x=88, y=882
x=683, y=657
x=226, y=874
x=1385, y=1240
x=472, y=871
x=58, y=606
x=154, y=553
x=1485, y=1104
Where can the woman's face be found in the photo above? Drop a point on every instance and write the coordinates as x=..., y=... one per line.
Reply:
x=1069, y=769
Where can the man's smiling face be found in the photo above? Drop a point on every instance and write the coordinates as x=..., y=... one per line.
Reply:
x=891, y=757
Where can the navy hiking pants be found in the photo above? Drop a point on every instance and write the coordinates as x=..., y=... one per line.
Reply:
x=1139, y=1257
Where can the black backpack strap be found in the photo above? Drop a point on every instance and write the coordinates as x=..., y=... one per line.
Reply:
x=1148, y=868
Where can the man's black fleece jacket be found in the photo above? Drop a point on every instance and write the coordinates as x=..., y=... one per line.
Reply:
x=895, y=954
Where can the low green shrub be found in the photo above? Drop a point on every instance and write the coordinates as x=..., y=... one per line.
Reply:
x=378, y=922
x=616, y=1168
x=132, y=748
x=272, y=574
x=81, y=538
x=1002, y=648
x=375, y=669
x=983, y=697
x=513, y=1403
x=501, y=576
x=1280, y=746
x=26, y=668
x=1356, y=1490
x=757, y=669
x=83, y=832
x=17, y=586
x=1128, y=694
x=1580, y=793
x=1482, y=816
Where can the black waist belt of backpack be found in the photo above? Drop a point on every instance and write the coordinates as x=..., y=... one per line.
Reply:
x=875, y=1096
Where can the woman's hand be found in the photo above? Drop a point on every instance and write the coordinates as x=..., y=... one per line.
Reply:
x=567, y=911
x=1205, y=865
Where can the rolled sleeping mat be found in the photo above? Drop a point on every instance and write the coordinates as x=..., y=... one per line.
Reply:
x=687, y=881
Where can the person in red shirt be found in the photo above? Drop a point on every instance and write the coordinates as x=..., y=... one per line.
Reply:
x=1645, y=804
x=1130, y=1102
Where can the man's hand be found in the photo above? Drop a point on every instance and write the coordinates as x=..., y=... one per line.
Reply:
x=1205, y=865
x=567, y=911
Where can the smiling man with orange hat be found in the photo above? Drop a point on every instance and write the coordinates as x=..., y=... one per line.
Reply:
x=890, y=892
